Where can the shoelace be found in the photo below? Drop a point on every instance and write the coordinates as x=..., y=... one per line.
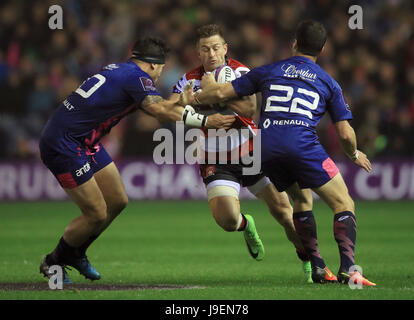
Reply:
x=65, y=267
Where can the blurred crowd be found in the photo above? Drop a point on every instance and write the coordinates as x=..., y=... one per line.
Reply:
x=39, y=67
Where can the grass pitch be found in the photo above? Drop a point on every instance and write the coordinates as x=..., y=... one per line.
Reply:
x=174, y=250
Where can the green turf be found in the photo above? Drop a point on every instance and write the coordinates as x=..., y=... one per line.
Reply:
x=179, y=243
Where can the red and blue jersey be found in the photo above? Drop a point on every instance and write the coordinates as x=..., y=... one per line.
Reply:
x=96, y=106
x=296, y=93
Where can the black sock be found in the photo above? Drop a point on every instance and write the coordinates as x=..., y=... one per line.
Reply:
x=345, y=236
x=85, y=246
x=305, y=226
x=62, y=254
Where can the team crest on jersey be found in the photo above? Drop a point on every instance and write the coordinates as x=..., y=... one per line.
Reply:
x=210, y=171
x=147, y=84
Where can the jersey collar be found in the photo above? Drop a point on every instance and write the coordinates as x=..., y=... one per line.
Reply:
x=302, y=58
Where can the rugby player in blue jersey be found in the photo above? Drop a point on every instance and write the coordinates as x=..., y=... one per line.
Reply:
x=70, y=147
x=296, y=93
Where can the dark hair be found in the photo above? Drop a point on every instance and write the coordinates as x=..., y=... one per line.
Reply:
x=208, y=30
x=150, y=49
x=311, y=37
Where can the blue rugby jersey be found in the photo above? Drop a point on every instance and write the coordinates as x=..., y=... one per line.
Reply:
x=296, y=93
x=96, y=106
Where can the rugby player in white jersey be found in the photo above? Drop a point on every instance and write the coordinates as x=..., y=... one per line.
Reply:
x=223, y=181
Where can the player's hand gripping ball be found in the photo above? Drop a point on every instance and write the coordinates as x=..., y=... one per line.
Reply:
x=223, y=74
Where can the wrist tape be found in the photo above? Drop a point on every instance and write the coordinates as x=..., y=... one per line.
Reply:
x=192, y=118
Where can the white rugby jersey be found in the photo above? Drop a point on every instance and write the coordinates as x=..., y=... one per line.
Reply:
x=209, y=143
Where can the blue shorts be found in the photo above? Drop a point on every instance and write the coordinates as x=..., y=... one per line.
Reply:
x=310, y=170
x=76, y=166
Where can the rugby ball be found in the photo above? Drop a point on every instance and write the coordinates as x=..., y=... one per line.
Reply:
x=224, y=74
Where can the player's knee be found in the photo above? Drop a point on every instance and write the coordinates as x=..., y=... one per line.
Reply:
x=227, y=221
x=96, y=220
x=230, y=224
x=285, y=220
x=96, y=214
x=119, y=205
x=345, y=204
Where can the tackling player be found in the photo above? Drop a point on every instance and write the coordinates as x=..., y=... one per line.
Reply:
x=70, y=146
x=296, y=94
x=223, y=181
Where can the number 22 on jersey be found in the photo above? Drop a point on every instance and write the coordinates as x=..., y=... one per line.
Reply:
x=297, y=104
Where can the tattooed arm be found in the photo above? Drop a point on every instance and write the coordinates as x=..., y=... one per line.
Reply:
x=163, y=110
x=169, y=111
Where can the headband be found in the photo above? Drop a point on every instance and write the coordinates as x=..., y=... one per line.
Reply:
x=157, y=59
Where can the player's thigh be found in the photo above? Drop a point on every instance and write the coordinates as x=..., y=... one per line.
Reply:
x=113, y=190
x=261, y=187
x=75, y=175
x=223, y=198
x=88, y=197
x=335, y=194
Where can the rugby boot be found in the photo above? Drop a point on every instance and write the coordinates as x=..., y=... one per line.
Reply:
x=357, y=278
x=44, y=269
x=85, y=268
x=253, y=242
x=325, y=275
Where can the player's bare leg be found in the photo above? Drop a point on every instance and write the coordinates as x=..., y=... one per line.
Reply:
x=226, y=212
x=88, y=197
x=281, y=209
x=306, y=229
x=335, y=194
x=113, y=190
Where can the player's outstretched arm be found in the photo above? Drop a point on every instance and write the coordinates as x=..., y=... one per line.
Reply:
x=170, y=111
x=245, y=106
x=347, y=137
x=213, y=92
x=161, y=109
